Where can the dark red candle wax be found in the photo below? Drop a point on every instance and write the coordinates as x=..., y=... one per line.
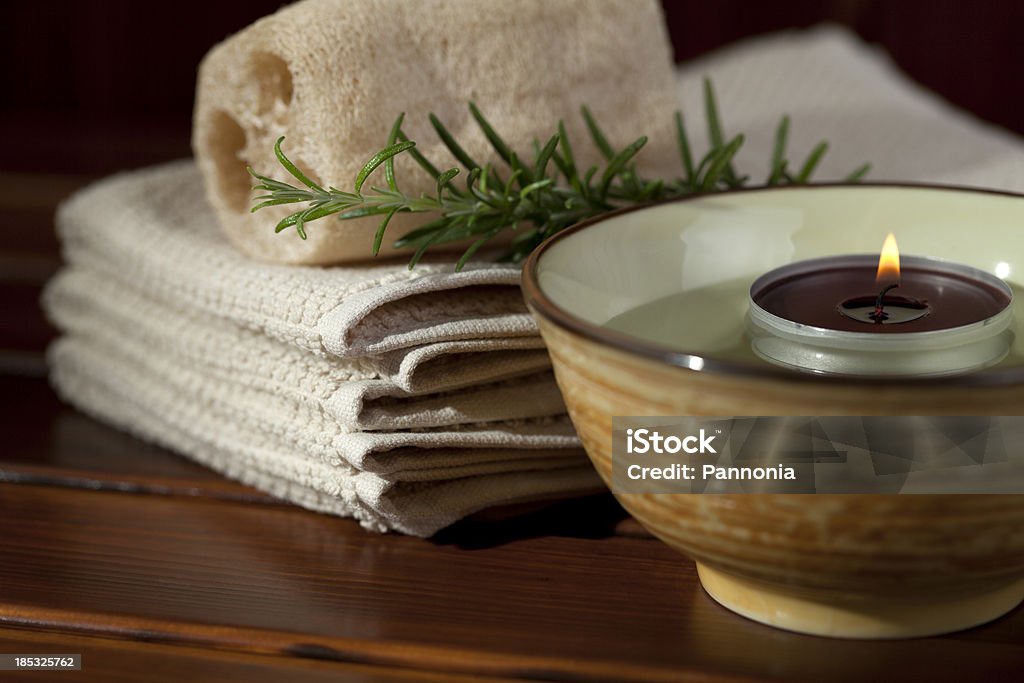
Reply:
x=811, y=294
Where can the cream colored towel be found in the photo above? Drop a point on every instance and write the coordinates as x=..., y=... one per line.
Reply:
x=332, y=76
x=416, y=489
x=262, y=373
x=154, y=229
x=837, y=88
x=150, y=272
x=357, y=393
x=267, y=412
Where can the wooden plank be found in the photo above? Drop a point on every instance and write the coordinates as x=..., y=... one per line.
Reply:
x=106, y=660
x=278, y=580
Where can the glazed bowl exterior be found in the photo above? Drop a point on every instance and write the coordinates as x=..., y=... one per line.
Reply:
x=850, y=565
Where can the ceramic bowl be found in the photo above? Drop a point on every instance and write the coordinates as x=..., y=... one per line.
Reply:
x=853, y=565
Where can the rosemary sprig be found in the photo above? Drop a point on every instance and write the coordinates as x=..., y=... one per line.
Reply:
x=535, y=198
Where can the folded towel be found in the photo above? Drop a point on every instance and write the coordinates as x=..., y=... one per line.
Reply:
x=332, y=75
x=154, y=229
x=286, y=405
x=405, y=496
x=434, y=453
x=354, y=392
x=371, y=385
x=383, y=341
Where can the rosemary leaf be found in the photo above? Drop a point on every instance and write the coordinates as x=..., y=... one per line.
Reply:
x=389, y=164
x=544, y=156
x=715, y=126
x=293, y=169
x=378, y=237
x=453, y=147
x=379, y=158
x=597, y=135
x=443, y=180
x=812, y=161
x=473, y=248
x=858, y=174
x=778, y=166
x=540, y=198
x=499, y=145
x=720, y=166
x=419, y=234
x=419, y=158
x=618, y=163
x=568, y=168
x=684, y=149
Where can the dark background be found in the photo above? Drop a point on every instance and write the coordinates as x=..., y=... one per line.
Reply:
x=91, y=87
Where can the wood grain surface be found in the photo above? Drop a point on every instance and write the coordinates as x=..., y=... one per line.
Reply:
x=106, y=660
x=279, y=581
x=186, y=566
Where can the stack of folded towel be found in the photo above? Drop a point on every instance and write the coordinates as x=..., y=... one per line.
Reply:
x=404, y=400
x=408, y=399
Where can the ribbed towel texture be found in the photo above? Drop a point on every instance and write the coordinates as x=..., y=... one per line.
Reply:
x=342, y=389
x=410, y=399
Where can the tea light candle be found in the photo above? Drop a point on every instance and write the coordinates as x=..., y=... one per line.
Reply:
x=867, y=315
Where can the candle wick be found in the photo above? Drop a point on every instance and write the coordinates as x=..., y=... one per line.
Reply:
x=879, y=314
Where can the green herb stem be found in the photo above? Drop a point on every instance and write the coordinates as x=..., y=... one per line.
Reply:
x=540, y=196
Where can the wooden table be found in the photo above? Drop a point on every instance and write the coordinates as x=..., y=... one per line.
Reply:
x=156, y=569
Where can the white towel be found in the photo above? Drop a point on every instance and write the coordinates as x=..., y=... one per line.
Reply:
x=407, y=500
x=836, y=88
x=154, y=228
x=356, y=392
x=371, y=384
x=151, y=229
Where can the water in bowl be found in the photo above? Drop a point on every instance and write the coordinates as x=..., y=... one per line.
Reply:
x=709, y=322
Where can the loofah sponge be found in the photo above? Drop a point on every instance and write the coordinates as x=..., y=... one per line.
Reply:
x=332, y=76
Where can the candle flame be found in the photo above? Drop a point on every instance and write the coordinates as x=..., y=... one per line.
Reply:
x=889, y=262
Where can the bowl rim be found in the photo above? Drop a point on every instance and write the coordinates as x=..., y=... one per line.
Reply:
x=545, y=308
